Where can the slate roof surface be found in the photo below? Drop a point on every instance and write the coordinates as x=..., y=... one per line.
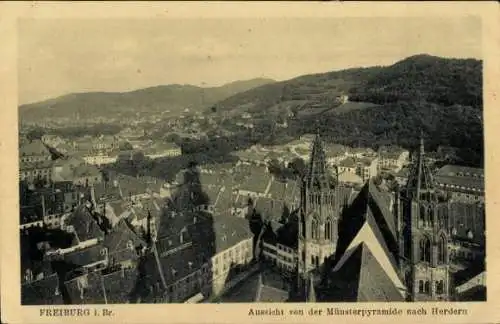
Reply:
x=35, y=147
x=122, y=242
x=42, y=292
x=458, y=170
x=465, y=217
x=85, y=256
x=24, y=166
x=363, y=279
x=84, y=224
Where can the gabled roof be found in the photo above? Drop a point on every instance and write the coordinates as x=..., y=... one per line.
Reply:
x=229, y=231
x=85, y=256
x=44, y=291
x=85, y=226
x=460, y=171
x=369, y=205
x=364, y=276
x=122, y=242
x=106, y=191
x=270, y=209
x=86, y=289
x=35, y=147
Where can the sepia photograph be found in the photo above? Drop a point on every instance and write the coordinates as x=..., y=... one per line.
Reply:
x=226, y=161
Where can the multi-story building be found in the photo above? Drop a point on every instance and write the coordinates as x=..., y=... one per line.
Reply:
x=163, y=150
x=364, y=167
x=392, y=158
x=462, y=183
x=35, y=162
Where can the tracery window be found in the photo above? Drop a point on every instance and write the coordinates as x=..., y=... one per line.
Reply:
x=328, y=230
x=442, y=249
x=425, y=249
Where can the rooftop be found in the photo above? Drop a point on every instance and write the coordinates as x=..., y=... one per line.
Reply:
x=460, y=171
x=44, y=291
x=35, y=147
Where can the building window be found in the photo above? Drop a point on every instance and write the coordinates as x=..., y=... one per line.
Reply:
x=421, y=286
x=439, y=287
x=425, y=249
x=442, y=249
x=328, y=230
x=314, y=229
x=427, y=287
x=422, y=218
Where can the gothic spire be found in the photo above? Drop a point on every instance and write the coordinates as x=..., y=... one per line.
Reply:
x=317, y=163
x=420, y=180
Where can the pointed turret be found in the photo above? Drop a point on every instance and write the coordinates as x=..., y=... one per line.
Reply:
x=420, y=182
x=317, y=173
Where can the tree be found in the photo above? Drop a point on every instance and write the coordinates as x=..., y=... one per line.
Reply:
x=125, y=146
x=298, y=166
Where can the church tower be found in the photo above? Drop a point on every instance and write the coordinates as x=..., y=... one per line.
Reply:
x=423, y=235
x=318, y=214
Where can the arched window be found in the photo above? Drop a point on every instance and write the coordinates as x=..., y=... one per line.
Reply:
x=442, y=249
x=422, y=216
x=328, y=230
x=427, y=287
x=440, y=287
x=421, y=286
x=314, y=229
x=425, y=249
x=431, y=215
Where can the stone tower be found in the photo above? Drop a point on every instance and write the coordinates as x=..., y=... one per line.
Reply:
x=318, y=214
x=423, y=234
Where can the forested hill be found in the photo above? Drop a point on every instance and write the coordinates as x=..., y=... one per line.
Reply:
x=392, y=104
x=427, y=78
x=174, y=98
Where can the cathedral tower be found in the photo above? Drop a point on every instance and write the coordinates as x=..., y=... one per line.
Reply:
x=319, y=213
x=423, y=235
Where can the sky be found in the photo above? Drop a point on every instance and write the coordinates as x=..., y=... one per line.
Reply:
x=57, y=57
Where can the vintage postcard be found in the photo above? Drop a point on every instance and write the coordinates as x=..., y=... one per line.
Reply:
x=249, y=162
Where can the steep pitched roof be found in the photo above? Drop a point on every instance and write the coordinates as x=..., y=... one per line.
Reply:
x=122, y=242
x=363, y=277
x=85, y=256
x=86, y=289
x=84, y=225
x=420, y=179
x=369, y=205
x=35, y=147
x=317, y=173
x=44, y=291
